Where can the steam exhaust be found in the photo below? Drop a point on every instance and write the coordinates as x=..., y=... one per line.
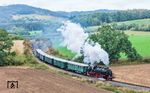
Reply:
x=76, y=40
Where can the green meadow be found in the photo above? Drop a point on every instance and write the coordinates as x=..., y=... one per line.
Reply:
x=139, y=22
x=141, y=42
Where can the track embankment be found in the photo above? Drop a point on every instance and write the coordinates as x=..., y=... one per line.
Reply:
x=41, y=81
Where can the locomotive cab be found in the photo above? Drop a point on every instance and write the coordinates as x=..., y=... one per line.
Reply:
x=100, y=72
x=105, y=72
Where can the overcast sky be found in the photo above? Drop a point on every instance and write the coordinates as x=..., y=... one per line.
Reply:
x=82, y=5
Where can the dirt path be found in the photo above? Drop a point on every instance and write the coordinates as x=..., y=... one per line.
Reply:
x=38, y=81
x=137, y=74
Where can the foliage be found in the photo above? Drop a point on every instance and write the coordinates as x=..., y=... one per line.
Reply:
x=16, y=60
x=140, y=41
x=5, y=46
x=132, y=26
x=115, y=42
x=30, y=26
x=16, y=37
x=94, y=19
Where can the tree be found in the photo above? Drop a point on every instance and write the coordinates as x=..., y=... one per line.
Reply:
x=114, y=42
x=98, y=18
x=5, y=46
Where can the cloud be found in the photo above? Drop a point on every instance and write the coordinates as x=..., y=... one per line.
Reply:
x=82, y=5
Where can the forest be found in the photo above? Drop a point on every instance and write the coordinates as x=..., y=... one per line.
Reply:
x=99, y=18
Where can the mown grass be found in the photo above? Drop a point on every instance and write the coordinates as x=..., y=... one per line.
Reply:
x=139, y=22
x=140, y=41
x=141, y=44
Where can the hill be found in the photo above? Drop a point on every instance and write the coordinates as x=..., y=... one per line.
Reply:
x=6, y=12
x=25, y=20
x=99, y=18
x=139, y=22
x=134, y=25
x=13, y=15
x=132, y=74
x=78, y=13
x=28, y=21
x=41, y=81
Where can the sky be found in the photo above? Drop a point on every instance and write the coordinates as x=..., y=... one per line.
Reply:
x=82, y=5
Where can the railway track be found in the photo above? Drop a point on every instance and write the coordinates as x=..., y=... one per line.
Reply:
x=129, y=85
x=92, y=79
x=113, y=82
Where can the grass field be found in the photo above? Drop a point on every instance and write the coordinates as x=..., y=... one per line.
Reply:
x=139, y=22
x=141, y=41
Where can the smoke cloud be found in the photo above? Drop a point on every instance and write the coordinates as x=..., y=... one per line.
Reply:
x=76, y=40
x=43, y=44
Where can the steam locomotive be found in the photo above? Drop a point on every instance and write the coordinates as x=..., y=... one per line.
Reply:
x=85, y=69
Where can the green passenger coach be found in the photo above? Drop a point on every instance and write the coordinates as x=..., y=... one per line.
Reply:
x=49, y=59
x=77, y=67
x=60, y=63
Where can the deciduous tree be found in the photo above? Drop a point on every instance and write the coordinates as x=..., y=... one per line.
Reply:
x=115, y=42
x=5, y=46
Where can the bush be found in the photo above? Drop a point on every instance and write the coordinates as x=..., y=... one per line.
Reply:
x=15, y=60
x=15, y=37
x=5, y=46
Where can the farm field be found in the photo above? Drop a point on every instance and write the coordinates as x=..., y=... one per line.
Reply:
x=139, y=22
x=141, y=41
x=136, y=74
x=39, y=81
x=18, y=46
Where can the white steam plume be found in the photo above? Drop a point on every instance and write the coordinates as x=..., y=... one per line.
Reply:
x=76, y=40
